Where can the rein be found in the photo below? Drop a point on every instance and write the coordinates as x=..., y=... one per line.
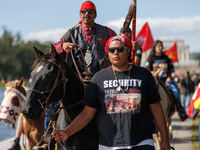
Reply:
x=87, y=73
x=55, y=83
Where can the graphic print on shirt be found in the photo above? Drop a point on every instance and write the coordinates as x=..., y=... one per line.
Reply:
x=162, y=65
x=123, y=102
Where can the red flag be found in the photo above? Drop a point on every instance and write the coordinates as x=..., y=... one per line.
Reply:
x=195, y=97
x=172, y=53
x=145, y=37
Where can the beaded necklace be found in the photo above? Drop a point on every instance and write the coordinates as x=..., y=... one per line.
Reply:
x=119, y=88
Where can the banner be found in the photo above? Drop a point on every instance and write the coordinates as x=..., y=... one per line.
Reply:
x=172, y=53
x=144, y=38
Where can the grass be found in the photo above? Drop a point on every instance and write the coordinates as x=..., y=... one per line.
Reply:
x=195, y=136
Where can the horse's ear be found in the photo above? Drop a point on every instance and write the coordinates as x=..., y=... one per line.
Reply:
x=53, y=52
x=4, y=81
x=38, y=53
x=157, y=72
x=21, y=81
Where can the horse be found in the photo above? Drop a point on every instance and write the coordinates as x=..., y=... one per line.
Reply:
x=10, y=110
x=168, y=107
x=51, y=80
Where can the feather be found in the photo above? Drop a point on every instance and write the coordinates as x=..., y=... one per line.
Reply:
x=129, y=16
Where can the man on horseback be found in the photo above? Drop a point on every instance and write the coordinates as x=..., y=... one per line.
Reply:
x=125, y=99
x=158, y=60
x=86, y=43
x=91, y=37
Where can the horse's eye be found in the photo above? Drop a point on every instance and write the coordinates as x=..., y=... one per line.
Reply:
x=15, y=101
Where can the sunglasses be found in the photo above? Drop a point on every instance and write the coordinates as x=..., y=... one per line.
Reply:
x=119, y=49
x=90, y=11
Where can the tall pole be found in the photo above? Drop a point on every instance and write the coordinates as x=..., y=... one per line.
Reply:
x=133, y=32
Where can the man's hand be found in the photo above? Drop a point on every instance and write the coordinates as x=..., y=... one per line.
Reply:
x=135, y=45
x=67, y=47
x=60, y=135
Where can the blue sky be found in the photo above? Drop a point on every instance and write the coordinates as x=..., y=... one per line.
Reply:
x=48, y=20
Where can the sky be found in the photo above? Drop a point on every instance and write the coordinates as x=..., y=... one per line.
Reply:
x=48, y=20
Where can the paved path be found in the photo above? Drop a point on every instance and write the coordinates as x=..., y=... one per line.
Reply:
x=182, y=135
x=6, y=144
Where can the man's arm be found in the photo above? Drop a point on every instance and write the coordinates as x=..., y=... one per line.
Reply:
x=79, y=122
x=159, y=118
x=64, y=45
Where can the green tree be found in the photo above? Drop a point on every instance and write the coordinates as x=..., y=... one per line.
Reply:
x=16, y=56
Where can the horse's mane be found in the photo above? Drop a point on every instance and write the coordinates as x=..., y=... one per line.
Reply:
x=13, y=84
x=38, y=60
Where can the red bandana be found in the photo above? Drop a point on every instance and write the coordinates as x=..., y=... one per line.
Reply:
x=124, y=39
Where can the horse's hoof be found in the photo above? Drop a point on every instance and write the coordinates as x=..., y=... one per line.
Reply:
x=183, y=116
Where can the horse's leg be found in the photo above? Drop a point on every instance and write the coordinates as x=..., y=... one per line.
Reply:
x=156, y=139
x=169, y=128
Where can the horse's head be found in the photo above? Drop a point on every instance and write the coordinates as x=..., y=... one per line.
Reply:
x=14, y=98
x=48, y=82
x=155, y=75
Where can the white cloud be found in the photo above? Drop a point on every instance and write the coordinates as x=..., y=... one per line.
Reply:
x=47, y=35
x=184, y=28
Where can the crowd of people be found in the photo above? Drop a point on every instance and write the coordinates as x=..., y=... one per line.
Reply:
x=110, y=62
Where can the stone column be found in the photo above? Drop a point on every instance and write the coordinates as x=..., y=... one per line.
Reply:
x=187, y=53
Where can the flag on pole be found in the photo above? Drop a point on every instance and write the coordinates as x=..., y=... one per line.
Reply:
x=144, y=38
x=172, y=53
x=194, y=104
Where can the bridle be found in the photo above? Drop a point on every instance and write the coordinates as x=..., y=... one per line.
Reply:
x=54, y=85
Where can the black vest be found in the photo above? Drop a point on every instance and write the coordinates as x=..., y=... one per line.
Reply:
x=99, y=58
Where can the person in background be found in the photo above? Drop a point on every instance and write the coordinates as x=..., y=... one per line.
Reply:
x=18, y=133
x=196, y=81
x=138, y=52
x=122, y=124
x=187, y=87
x=175, y=80
x=158, y=60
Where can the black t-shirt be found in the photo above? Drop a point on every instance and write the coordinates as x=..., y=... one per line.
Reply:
x=160, y=62
x=138, y=53
x=123, y=119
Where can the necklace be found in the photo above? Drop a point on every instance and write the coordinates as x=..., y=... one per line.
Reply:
x=119, y=88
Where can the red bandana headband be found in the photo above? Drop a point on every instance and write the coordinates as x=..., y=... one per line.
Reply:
x=124, y=39
x=88, y=5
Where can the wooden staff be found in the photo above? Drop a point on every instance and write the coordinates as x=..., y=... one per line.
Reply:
x=131, y=15
x=133, y=32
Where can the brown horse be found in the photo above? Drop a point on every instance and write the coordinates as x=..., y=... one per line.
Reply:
x=168, y=108
x=10, y=110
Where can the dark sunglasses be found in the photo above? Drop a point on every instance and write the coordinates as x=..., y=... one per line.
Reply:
x=119, y=49
x=90, y=11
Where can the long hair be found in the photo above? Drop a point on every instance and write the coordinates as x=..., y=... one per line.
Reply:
x=152, y=53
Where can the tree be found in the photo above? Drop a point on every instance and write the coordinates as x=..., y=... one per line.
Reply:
x=16, y=56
